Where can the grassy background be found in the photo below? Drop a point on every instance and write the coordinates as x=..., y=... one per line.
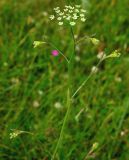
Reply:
x=25, y=72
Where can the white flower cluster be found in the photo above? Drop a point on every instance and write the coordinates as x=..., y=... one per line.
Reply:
x=15, y=134
x=69, y=14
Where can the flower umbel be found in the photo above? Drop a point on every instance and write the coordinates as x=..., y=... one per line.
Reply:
x=70, y=15
x=15, y=133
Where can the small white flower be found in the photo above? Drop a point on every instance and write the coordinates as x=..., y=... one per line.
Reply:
x=57, y=11
x=70, y=7
x=68, y=18
x=58, y=105
x=77, y=48
x=60, y=23
x=57, y=8
x=75, y=17
x=101, y=55
x=72, y=23
x=36, y=104
x=94, y=69
x=77, y=58
x=70, y=14
x=45, y=13
x=77, y=6
x=83, y=19
x=75, y=36
x=77, y=10
x=83, y=10
x=52, y=17
x=66, y=6
x=61, y=13
x=65, y=10
x=59, y=18
x=70, y=11
x=82, y=15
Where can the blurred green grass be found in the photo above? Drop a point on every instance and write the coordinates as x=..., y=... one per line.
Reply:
x=25, y=72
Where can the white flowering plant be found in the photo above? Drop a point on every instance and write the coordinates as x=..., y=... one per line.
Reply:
x=71, y=16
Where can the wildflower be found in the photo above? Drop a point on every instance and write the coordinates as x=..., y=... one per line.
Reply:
x=77, y=58
x=72, y=23
x=52, y=17
x=77, y=6
x=55, y=53
x=82, y=15
x=36, y=104
x=37, y=43
x=69, y=13
x=15, y=133
x=77, y=10
x=57, y=11
x=77, y=48
x=65, y=10
x=75, y=17
x=83, y=10
x=60, y=23
x=56, y=8
x=68, y=18
x=45, y=13
x=101, y=55
x=95, y=41
x=58, y=105
x=94, y=69
x=59, y=18
x=83, y=19
x=61, y=13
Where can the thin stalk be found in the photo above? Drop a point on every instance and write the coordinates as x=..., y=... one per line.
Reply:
x=85, y=81
x=70, y=67
x=63, y=126
x=51, y=44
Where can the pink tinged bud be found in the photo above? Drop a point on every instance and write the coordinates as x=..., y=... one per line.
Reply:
x=55, y=53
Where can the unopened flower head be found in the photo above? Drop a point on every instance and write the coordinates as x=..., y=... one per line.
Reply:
x=95, y=41
x=114, y=54
x=69, y=14
x=38, y=43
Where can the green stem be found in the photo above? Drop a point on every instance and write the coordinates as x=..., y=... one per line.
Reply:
x=63, y=126
x=85, y=81
x=70, y=69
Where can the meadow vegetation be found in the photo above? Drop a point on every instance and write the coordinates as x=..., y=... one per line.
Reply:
x=33, y=83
